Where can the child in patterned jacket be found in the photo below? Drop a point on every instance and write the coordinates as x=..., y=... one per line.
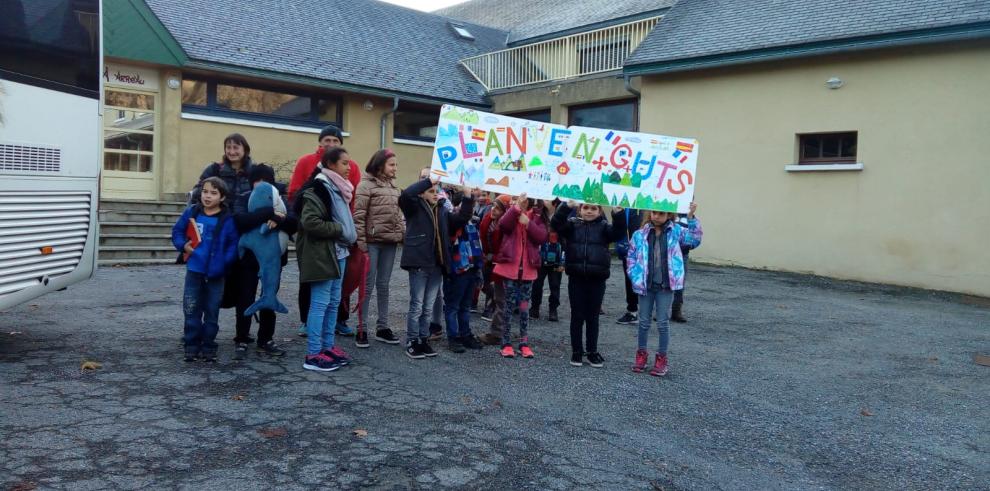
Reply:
x=655, y=267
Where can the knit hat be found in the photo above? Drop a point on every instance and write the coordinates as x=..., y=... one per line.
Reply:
x=330, y=130
x=505, y=200
x=261, y=172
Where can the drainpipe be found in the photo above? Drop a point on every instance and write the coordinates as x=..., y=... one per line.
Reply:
x=395, y=107
x=630, y=88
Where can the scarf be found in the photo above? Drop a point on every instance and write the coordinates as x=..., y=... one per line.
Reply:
x=345, y=186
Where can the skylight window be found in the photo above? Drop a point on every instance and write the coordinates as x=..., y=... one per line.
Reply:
x=462, y=31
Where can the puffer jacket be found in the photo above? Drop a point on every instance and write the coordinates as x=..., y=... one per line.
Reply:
x=587, y=242
x=535, y=234
x=638, y=262
x=419, y=249
x=238, y=185
x=376, y=212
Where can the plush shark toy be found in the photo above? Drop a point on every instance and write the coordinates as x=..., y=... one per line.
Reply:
x=268, y=251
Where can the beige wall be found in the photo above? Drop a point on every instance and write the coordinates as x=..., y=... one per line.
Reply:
x=919, y=212
x=559, y=96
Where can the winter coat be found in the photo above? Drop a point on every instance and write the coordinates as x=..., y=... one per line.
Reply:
x=376, y=212
x=222, y=253
x=316, y=249
x=638, y=262
x=419, y=250
x=586, y=243
x=307, y=164
x=533, y=235
x=238, y=185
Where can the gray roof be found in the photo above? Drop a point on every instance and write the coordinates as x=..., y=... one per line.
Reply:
x=528, y=19
x=357, y=42
x=704, y=28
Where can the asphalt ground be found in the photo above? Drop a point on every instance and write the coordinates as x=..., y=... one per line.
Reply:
x=778, y=381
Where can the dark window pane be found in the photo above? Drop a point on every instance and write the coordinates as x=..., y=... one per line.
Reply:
x=811, y=147
x=541, y=116
x=194, y=92
x=417, y=123
x=129, y=99
x=263, y=102
x=830, y=146
x=122, y=140
x=126, y=162
x=52, y=40
x=617, y=116
x=848, y=149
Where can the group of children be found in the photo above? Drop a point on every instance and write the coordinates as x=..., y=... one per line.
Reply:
x=454, y=244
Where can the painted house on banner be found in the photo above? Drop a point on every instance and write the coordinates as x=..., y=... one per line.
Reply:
x=842, y=138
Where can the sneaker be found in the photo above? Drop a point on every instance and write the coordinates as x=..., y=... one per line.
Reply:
x=209, y=357
x=534, y=313
x=491, y=339
x=659, y=366
x=426, y=349
x=344, y=330
x=320, y=363
x=454, y=346
x=471, y=342
x=553, y=316
x=302, y=332
x=361, y=340
x=436, y=331
x=628, y=318
x=271, y=349
x=676, y=314
x=386, y=336
x=595, y=359
x=508, y=352
x=337, y=355
x=474, y=309
x=247, y=340
x=413, y=351
x=577, y=359
x=526, y=351
x=240, y=351
x=487, y=315
x=191, y=356
x=640, y=364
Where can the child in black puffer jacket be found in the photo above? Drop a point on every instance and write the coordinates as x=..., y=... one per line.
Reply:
x=587, y=264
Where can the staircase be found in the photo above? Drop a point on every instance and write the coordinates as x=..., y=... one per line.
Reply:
x=137, y=232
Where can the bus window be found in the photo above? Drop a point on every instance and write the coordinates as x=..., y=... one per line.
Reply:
x=51, y=43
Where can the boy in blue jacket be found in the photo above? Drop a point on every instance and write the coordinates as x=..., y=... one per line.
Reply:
x=206, y=264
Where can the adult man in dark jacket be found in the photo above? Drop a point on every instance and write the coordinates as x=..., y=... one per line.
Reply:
x=425, y=254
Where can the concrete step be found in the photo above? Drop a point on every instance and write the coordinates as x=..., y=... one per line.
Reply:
x=103, y=263
x=169, y=217
x=125, y=253
x=119, y=227
x=134, y=239
x=141, y=205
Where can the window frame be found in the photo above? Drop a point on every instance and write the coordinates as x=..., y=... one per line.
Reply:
x=413, y=107
x=802, y=160
x=107, y=127
x=314, y=121
x=613, y=102
x=532, y=112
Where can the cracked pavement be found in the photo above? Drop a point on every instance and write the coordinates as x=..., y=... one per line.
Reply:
x=779, y=381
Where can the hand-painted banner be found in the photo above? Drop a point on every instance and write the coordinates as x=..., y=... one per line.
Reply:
x=612, y=168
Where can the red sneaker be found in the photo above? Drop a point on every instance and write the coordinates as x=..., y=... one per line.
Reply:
x=339, y=353
x=526, y=352
x=640, y=364
x=659, y=366
x=508, y=352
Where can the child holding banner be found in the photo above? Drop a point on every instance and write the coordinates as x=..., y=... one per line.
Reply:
x=523, y=230
x=656, y=269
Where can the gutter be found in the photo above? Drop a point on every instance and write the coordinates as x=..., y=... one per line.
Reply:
x=395, y=107
x=626, y=80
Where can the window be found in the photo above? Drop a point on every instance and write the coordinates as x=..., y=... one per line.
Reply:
x=462, y=31
x=128, y=131
x=542, y=115
x=261, y=103
x=53, y=44
x=415, y=122
x=614, y=115
x=827, y=148
x=602, y=56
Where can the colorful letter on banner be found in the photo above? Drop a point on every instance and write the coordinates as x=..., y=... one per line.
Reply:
x=590, y=165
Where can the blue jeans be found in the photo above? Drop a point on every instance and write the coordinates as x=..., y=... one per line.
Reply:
x=655, y=301
x=458, y=292
x=424, y=286
x=321, y=322
x=201, y=308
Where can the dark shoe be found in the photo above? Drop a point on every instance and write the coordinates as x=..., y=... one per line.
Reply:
x=361, y=341
x=209, y=357
x=436, y=331
x=386, y=336
x=487, y=315
x=240, y=351
x=191, y=356
x=413, y=351
x=628, y=318
x=491, y=339
x=455, y=346
x=320, y=363
x=426, y=349
x=676, y=315
x=471, y=342
x=577, y=359
x=271, y=349
x=595, y=359
x=302, y=332
x=534, y=313
x=553, y=316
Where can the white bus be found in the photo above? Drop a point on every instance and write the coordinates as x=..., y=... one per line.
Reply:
x=50, y=144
